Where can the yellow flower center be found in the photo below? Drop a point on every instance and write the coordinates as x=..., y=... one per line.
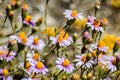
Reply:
x=2, y=52
x=36, y=40
x=100, y=44
x=25, y=6
x=60, y=38
x=27, y=65
x=84, y=58
x=96, y=23
x=93, y=53
x=36, y=56
x=39, y=65
x=22, y=36
x=114, y=61
x=5, y=72
x=66, y=63
x=28, y=18
x=74, y=13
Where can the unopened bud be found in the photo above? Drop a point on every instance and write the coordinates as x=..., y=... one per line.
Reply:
x=8, y=9
x=64, y=78
x=11, y=14
x=116, y=45
x=25, y=7
x=18, y=4
x=67, y=54
x=34, y=30
x=40, y=20
x=97, y=4
x=75, y=37
x=75, y=77
x=43, y=78
x=89, y=75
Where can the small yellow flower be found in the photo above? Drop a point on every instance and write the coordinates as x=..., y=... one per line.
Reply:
x=115, y=3
x=109, y=40
x=75, y=77
x=78, y=24
x=50, y=31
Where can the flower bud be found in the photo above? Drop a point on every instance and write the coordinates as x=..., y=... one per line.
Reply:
x=75, y=37
x=116, y=45
x=86, y=39
x=97, y=4
x=75, y=77
x=8, y=9
x=43, y=78
x=34, y=30
x=11, y=14
x=67, y=54
x=89, y=75
x=40, y=20
x=25, y=7
x=64, y=78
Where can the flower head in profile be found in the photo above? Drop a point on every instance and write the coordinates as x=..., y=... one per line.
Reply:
x=81, y=60
x=10, y=55
x=65, y=65
x=28, y=21
x=36, y=43
x=62, y=39
x=73, y=14
x=100, y=46
x=94, y=24
x=20, y=38
x=38, y=67
x=5, y=75
x=3, y=52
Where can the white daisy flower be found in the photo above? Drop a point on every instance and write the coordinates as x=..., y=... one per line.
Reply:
x=82, y=61
x=21, y=38
x=38, y=67
x=109, y=62
x=62, y=40
x=36, y=43
x=32, y=57
x=72, y=14
x=64, y=64
x=100, y=46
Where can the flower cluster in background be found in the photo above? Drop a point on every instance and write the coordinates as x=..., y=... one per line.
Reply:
x=84, y=56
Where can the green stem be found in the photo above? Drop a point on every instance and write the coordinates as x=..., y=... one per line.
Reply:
x=56, y=76
x=4, y=22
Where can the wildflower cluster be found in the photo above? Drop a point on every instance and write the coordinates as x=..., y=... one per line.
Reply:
x=59, y=55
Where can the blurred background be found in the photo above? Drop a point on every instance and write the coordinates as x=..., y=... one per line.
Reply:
x=109, y=9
